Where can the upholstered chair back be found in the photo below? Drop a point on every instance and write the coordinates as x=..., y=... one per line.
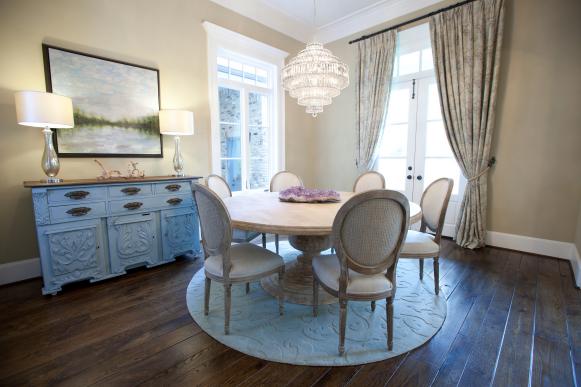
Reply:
x=368, y=181
x=283, y=180
x=215, y=223
x=219, y=186
x=369, y=230
x=434, y=205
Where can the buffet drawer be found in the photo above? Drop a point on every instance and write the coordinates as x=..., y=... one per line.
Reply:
x=173, y=187
x=78, y=211
x=76, y=194
x=136, y=204
x=173, y=201
x=130, y=191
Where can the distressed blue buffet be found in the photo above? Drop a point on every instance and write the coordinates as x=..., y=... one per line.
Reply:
x=97, y=229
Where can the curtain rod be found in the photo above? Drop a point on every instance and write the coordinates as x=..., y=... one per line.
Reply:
x=364, y=37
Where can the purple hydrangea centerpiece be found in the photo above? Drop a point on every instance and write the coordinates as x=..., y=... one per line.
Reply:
x=299, y=194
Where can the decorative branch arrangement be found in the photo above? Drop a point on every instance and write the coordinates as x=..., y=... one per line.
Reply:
x=133, y=172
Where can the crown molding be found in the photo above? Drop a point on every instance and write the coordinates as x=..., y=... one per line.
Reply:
x=365, y=18
x=360, y=20
x=271, y=17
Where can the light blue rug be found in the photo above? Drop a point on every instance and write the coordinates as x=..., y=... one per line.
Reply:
x=256, y=328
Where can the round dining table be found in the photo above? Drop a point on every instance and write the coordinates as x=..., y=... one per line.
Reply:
x=308, y=226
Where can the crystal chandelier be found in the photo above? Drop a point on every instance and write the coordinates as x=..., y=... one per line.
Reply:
x=314, y=77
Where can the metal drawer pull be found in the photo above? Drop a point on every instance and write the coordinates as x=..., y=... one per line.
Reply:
x=174, y=201
x=131, y=190
x=77, y=195
x=173, y=187
x=133, y=205
x=79, y=211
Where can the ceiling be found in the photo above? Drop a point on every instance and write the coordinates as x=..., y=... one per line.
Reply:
x=323, y=20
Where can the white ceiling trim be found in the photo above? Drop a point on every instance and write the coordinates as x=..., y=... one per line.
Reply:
x=368, y=17
x=360, y=20
x=270, y=17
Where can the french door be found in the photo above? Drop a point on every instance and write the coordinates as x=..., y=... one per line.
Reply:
x=245, y=137
x=414, y=149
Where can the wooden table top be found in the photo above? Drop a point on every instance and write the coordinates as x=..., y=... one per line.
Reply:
x=263, y=212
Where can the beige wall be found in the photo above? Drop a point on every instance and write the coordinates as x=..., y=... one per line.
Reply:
x=535, y=187
x=167, y=35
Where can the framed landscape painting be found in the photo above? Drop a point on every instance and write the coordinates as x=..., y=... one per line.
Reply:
x=115, y=104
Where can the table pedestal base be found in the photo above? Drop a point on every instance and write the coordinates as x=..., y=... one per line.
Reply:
x=298, y=277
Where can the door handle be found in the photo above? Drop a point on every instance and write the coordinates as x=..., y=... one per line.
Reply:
x=409, y=177
x=409, y=168
x=419, y=177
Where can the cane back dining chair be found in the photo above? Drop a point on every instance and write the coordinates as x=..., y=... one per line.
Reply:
x=221, y=187
x=226, y=263
x=421, y=244
x=279, y=182
x=368, y=181
x=368, y=233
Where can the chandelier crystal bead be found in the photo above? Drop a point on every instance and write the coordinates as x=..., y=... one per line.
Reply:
x=314, y=77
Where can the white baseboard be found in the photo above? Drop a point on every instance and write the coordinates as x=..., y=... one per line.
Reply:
x=548, y=247
x=576, y=264
x=19, y=270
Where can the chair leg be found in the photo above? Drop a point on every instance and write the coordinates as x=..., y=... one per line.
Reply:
x=264, y=240
x=373, y=306
x=389, y=316
x=315, y=297
x=437, y=275
x=276, y=242
x=227, y=303
x=342, y=325
x=247, y=287
x=421, y=268
x=207, y=296
x=281, y=295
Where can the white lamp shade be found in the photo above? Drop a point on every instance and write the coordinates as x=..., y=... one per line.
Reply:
x=176, y=122
x=36, y=108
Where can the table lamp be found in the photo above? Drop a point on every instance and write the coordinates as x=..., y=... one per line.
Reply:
x=176, y=123
x=45, y=110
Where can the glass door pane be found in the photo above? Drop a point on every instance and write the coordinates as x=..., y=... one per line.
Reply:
x=397, y=144
x=258, y=141
x=230, y=137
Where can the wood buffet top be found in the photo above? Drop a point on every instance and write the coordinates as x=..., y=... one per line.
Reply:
x=122, y=180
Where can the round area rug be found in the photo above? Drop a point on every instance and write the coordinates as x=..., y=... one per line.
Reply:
x=256, y=328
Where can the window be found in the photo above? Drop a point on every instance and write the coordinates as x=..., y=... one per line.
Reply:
x=414, y=149
x=247, y=109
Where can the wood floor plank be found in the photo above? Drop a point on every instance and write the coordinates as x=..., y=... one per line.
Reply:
x=551, y=354
x=479, y=369
x=514, y=361
x=572, y=298
x=338, y=376
x=136, y=329
x=376, y=374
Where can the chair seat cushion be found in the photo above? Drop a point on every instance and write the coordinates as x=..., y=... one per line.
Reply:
x=248, y=260
x=419, y=243
x=328, y=270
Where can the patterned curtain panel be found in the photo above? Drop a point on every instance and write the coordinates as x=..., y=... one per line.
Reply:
x=374, y=71
x=466, y=42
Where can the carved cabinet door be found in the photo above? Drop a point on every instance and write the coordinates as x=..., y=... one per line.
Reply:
x=180, y=231
x=133, y=241
x=71, y=253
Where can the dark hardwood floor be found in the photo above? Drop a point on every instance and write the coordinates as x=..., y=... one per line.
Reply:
x=513, y=318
